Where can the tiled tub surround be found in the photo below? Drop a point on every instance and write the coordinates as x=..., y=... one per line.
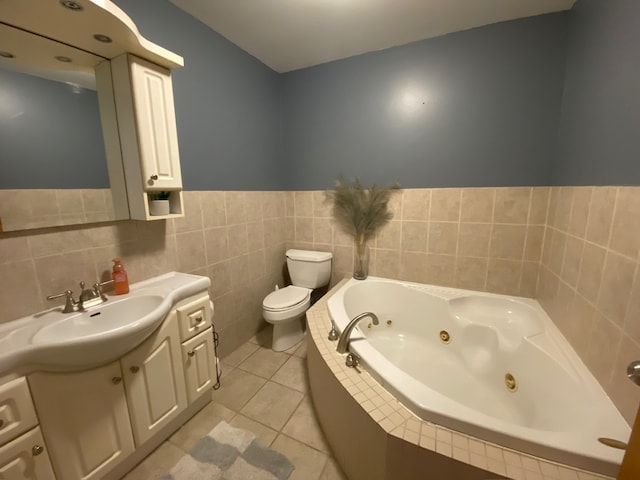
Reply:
x=374, y=436
x=589, y=282
x=487, y=239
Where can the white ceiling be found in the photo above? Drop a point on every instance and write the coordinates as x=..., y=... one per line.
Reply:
x=291, y=34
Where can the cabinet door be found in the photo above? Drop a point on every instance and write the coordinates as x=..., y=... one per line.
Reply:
x=25, y=458
x=17, y=414
x=199, y=364
x=154, y=381
x=84, y=419
x=156, y=125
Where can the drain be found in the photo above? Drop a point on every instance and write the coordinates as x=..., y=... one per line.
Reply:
x=389, y=322
x=613, y=443
x=510, y=382
x=444, y=336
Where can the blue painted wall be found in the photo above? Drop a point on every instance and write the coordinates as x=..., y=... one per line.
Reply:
x=473, y=108
x=50, y=135
x=599, y=135
x=228, y=104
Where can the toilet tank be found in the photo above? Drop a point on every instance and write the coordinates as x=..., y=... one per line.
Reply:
x=309, y=268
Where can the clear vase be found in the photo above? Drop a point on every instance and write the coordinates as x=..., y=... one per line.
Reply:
x=361, y=261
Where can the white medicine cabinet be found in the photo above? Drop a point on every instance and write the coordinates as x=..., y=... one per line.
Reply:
x=143, y=98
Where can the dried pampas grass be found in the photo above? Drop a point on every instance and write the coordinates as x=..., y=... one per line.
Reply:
x=359, y=210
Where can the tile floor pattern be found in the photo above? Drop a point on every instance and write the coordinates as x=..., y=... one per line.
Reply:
x=267, y=393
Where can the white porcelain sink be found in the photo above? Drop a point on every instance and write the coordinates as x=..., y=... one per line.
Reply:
x=56, y=341
x=101, y=334
x=114, y=320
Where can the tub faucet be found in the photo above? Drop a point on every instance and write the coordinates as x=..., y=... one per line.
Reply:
x=343, y=341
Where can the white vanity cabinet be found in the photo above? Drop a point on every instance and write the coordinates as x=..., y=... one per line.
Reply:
x=194, y=319
x=99, y=423
x=22, y=449
x=148, y=135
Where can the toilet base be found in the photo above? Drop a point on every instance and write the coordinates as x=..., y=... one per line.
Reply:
x=288, y=334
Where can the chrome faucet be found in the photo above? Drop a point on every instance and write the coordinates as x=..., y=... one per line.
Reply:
x=89, y=297
x=343, y=341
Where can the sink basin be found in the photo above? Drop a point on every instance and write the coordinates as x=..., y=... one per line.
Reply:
x=54, y=341
x=113, y=319
x=99, y=335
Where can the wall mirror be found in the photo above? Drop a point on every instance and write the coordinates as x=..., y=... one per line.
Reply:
x=55, y=69
x=53, y=170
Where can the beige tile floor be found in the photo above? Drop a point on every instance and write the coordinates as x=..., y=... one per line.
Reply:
x=267, y=393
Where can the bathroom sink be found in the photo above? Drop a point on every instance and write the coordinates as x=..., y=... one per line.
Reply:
x=101, y=334
x=109, y=319
x=51, y=340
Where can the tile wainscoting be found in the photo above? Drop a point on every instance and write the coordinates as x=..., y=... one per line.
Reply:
x=235, y=238
x=573, y=248
x=589, y=283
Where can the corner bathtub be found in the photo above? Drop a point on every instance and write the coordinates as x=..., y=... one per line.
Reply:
x=556, y=410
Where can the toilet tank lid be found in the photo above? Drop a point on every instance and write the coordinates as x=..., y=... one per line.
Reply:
x=308, y=255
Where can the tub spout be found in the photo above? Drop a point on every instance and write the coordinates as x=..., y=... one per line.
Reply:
x=343, y=341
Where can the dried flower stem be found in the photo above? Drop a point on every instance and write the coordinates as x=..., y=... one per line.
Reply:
x=361, y=211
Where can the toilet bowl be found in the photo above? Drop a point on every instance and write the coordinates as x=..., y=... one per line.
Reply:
x=285, y=307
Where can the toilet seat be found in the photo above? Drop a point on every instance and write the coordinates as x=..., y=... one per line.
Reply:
x=286, y=298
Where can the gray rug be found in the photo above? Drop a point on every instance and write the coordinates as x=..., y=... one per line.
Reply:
x=229, y=453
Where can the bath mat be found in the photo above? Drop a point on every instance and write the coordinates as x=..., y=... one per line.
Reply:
x=228, y=453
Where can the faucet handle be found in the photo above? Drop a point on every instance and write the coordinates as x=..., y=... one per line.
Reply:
x=70, y=304
x=97, y=287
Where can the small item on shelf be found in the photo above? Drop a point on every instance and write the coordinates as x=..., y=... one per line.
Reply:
x=120, y=279
x=159, y=203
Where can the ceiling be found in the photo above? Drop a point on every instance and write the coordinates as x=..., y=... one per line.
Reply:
x=292, y=34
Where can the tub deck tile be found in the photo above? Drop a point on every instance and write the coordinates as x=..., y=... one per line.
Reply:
x=443, y=435
x=411, y=437
x=512, y=458
x=531, y=465
x=495, y=452
x=515, y=473
x=529, y=475
x=413, y=425
x=476, y=446
x=461, y=454
x=496, y=467
x=444, y=449
x=568, y=474
x=550, y=471
x=479, y=461
x=428, y=442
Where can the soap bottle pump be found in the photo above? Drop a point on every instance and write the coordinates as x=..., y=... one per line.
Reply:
x=120, y=279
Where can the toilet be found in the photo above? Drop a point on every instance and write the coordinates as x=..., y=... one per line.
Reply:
x=284, y=308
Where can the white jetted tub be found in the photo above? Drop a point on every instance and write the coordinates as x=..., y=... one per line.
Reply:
x=490, y=366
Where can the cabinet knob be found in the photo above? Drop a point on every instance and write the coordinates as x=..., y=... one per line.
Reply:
x=116, y=380
x=154, y=177
x=191, y=353
x=134, y=369
x=37, y=450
